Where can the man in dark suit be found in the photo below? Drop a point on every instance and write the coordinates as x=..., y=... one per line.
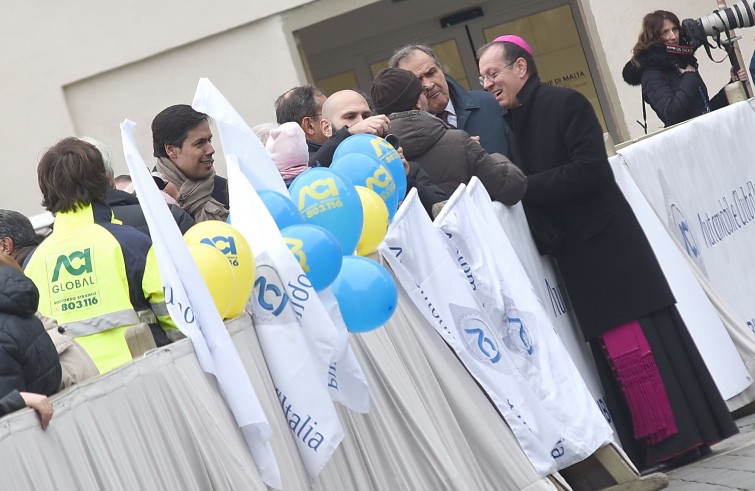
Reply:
x=473, y=111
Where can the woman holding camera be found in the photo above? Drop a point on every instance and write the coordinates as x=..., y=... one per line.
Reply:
x=665, y=65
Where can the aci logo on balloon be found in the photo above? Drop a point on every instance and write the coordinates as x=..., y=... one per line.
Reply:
x=323, y=196
x=382, y=183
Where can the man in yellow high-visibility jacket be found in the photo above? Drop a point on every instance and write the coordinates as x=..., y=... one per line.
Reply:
x=92, y=273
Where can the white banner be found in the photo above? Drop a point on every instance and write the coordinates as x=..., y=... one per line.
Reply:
x=191, y=307
x=306, y=404
x=508, y=224
x=417, y=253
x=346, y=381
x=319, y=315
x=698, y=178
x=278, y=304
x=500, y=283
x=238, y=139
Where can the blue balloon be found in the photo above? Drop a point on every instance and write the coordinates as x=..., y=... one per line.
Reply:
x=317, y=251
x=366, y=294
x=327, y=199
x=363, y=170
x=281, y=207
x=374, y=146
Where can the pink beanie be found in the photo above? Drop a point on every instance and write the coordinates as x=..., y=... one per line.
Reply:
x=512, y=38
x=287, y=146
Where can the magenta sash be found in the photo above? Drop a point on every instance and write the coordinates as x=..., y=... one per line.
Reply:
x=629, y=353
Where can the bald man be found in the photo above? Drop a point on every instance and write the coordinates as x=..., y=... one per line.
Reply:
x=346, y=113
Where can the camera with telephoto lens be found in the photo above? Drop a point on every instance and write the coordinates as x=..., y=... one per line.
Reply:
x=741, y=14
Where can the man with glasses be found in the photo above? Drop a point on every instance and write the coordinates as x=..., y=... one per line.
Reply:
x=647, y=361
x=473, y=111
x=303, y=106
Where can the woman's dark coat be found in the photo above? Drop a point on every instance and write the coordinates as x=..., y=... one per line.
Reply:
x=673, y=96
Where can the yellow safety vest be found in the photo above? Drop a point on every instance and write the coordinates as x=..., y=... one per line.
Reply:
x=81, y=275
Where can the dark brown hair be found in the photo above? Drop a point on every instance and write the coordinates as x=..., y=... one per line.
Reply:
x=171, y=125
x=298, y=103
x=71, y=174
x=652, y=25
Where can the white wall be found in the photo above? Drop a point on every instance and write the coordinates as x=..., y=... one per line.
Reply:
x=81, y=67
x=240, y=63
x=55, y=53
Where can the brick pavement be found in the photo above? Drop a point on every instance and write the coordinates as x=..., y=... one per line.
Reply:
x=731, y=465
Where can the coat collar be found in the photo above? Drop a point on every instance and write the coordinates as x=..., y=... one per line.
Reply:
x=527, y=92
x=95, y=212
x=116, y=197
x=463, y=103
x=655, y=56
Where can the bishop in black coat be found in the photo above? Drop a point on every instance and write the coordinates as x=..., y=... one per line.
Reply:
x=578, y=215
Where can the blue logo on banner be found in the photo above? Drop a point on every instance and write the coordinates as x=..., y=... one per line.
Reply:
x=486, y=345
x=685, y=236
x=516, y=324
x=271, y=297
x=477, y=336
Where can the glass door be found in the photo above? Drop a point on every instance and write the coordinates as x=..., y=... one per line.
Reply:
x=554, y=38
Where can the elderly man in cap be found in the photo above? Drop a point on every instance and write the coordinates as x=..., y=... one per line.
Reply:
x=449, y=156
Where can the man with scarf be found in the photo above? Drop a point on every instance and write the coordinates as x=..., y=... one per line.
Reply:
x=182, y=143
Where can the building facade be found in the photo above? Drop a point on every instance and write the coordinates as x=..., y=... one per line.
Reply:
x=81, y=68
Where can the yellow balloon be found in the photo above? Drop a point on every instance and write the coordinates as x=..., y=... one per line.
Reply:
x=375, y=223
x=217, y=274
x=235, y=248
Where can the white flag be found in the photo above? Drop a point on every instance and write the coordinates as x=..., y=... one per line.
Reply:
x=500, y=283
x=509, y=225
x=346, y=381
x=418, y=255
x=191, y=307
x=282, y=296
x=305, y=402
x=337, y=366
